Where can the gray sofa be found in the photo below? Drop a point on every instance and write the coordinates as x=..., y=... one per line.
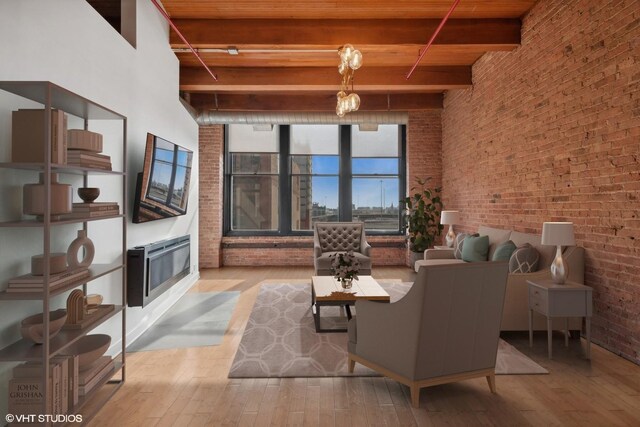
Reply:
x=515, y=314
x=332, y=237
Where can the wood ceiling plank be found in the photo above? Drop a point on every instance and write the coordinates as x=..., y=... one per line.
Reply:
x=314, y=102
x=352, y=9
x=385, y=79
x=322, y=34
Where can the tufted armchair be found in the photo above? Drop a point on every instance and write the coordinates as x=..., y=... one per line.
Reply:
x=332, y=237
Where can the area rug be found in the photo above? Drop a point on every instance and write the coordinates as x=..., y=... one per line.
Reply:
x=280, y=338
x=195, y=320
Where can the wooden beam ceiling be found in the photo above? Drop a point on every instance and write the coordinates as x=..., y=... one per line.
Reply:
x=304, y=79
x=287, y=50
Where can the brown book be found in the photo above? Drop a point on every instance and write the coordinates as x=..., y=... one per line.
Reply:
x=54, y=279
x=106, y=371
x=90, y=157
x=63, y=362
x=26, y=396
x=92, y=214
x=74, y=379
x=27, y=136
x=90, y=165
x=88, y=374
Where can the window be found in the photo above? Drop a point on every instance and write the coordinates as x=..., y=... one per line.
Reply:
x=314, y=173
x=281, y=180
x=254, y=178
x=375, y=181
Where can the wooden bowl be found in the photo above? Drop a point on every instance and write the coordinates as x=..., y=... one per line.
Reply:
x=89, y=348
x=32, y=327
x=88, y=194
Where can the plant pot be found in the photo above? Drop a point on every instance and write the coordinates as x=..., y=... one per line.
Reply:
x=415, y=256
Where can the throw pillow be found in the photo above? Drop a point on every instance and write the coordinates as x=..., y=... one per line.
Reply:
x=475, y=248
x=524, y=259
x=503, y=251
x=457, y=245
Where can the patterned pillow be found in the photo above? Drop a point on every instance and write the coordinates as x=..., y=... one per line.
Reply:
x=524, y=259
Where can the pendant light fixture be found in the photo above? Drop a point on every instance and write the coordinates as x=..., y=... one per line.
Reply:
x=350, y=60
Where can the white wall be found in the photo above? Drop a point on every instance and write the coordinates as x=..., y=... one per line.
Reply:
x=68, y=43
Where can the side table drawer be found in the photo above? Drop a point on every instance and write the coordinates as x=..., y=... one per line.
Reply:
x=538, y=300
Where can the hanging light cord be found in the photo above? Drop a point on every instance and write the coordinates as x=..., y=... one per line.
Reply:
x=433, y=37
x=168, y=18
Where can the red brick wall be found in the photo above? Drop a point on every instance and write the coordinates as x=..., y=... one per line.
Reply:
x=211, y=155
x=551, y=132
x=423, y=160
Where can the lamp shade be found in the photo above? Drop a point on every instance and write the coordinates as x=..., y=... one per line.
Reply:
x=449, y=217
x=558, y=234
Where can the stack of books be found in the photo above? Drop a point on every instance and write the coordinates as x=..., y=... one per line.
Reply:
x=93, y=375
x=84, y=148
x=26, y=388
x=88, y=160
x=92, y=210
x=35, y=284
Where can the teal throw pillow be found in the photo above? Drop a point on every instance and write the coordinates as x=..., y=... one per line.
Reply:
x=475, y=248
x=503, y=251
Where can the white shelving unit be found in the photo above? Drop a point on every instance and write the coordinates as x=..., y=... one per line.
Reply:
x=51, y=96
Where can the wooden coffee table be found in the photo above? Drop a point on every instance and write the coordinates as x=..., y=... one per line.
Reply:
x=325, y=290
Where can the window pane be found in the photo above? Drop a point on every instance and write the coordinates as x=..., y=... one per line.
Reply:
x=254, y=163
x=314, y=139
x=180, y=187
x=184, y=157
x=375, y=202
x=323, y=165
x=160, y=181
x=254, y=201
x=244, y=139
x=313, y=198
x=380, y=143
x=364, y=166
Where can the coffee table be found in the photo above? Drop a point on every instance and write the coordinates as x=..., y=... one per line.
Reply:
x=327, y=291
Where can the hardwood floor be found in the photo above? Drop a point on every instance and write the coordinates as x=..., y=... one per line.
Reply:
x=189, y=387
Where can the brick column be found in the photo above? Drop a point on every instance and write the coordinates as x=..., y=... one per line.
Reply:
x=211, y=150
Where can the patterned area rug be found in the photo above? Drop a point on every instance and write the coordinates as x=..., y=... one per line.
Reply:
x=280, y=338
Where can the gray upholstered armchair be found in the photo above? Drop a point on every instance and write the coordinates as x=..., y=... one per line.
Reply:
x=332, y=237
x=445, y=329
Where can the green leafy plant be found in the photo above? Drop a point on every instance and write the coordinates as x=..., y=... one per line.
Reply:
x=421, y=216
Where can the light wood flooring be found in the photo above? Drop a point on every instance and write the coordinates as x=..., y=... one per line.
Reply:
x=189, y=387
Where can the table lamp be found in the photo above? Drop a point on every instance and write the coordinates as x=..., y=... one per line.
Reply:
x=450, y=218
x=559, y=234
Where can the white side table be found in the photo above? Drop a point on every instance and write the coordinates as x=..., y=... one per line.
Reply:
x=553, y=300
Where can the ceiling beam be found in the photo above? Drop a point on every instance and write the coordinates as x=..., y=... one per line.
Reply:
x=313, y=102
x=327, y=79
x=317, y=34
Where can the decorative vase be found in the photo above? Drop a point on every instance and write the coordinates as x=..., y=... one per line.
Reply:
x=82, y=241
x=33, y=200
x=346, y=283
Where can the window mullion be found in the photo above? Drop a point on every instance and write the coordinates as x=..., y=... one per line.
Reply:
x=285, y=180
x=344, y=180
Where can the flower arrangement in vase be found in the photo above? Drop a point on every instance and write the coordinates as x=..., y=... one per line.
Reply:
x=345, y=267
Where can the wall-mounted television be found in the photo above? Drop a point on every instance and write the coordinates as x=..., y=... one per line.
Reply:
x=162, y=188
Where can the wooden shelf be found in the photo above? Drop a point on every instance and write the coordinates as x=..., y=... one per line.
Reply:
x=95, y=271
x=69, y=169
x=36, y=223
x=26, y=351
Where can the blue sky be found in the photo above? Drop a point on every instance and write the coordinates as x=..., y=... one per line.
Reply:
x=365, y=191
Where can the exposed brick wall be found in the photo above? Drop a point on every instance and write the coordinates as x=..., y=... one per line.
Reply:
x=279, y=254
x=551, y=132
x=211, y=155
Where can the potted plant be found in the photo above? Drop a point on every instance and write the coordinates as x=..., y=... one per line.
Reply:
x=345, y=267
x=421, y=218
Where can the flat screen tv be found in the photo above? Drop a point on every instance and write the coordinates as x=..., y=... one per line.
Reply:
x=162, y=188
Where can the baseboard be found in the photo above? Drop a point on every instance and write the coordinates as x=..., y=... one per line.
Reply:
x=169, y=298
